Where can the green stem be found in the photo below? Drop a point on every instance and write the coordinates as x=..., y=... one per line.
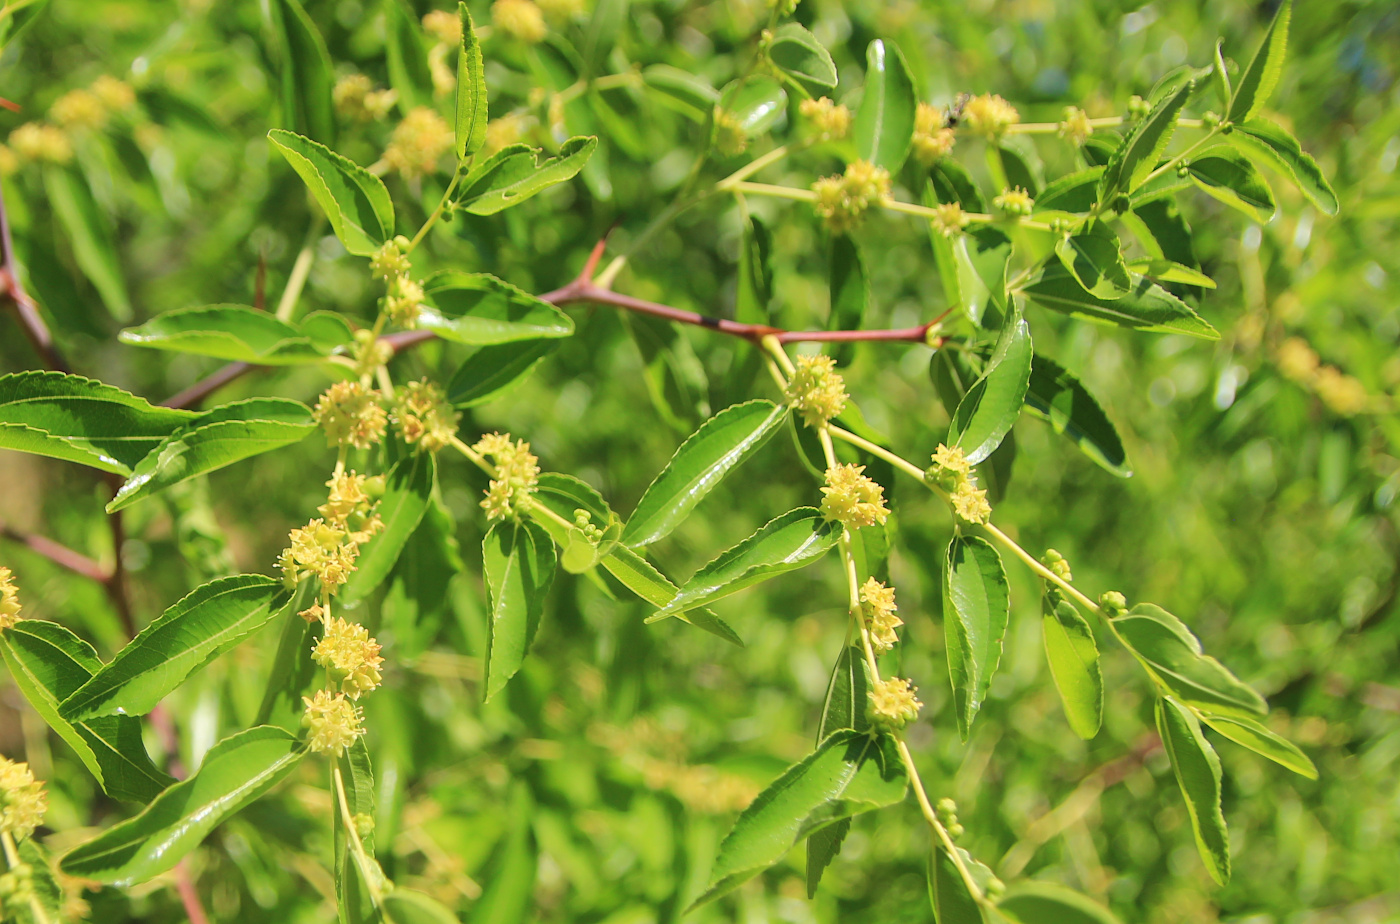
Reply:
x=437, y=212
x=1173, y=162
x=352, y=835
x=13, y=860
x=301, y=269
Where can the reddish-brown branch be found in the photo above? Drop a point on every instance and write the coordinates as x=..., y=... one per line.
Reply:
x=57, y=553
x=207, y=386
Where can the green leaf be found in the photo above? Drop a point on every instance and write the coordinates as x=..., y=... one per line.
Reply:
x=1220, y=74
x=219, y=438
x=948, y=893
x=90, y=237
x=355, y=201
x=357, y=774
x=1058, y=398
x=850, y=292
x=48, y=894
x=306, y=75
x=82, y=420
x=975, y=606
x=292, y=670
x=1171, y=271
x=236, y=771
x=506, y=167
x=1051, y=903
x=786, y=543
x=492, y=371
x=1252, y=734
x=1259, y=79
x=1095, y=259
x=1232, y=179
x=406, y=57
x=1137, y=156
x=48, y=663
x=564, y=494
x=1168, y=229
x=754, y=290
x=720, y=445
x=1074, y=192
x=519, y=561
x=844, y=708
x=849, y=773
x=981, y=256
x=1173, y=655
x=797, y=52
x=232, y=332
x=641, y=577
x=407, y=491
x=884, y=125
x=405, y=906
x=990, y=408
x=471, y=89
x=204, y=624
x=327, y=331
x=754, y=104
x=688, y=93
x=1074, y=663
x=1148, y=308
x=511, y=881
x=1197, y=770
x=573, y=154
x=419, y=597
x=478, y=309
x=1265, y=141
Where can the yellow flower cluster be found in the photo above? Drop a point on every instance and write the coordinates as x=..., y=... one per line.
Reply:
x=517, y=474
x=853, y=499
x=1075, y=126
x=356, y=99
x=949, y=219
x=334, y=722
x=350, y=657
x=351, y=505
x=350, y=415
x=424, y=417
x=403, y=302
x=502, y=132
x=989, y=115
x=444, y=27
x=115, y=94
x=561, y=11
x=1343, y=393
x=22, y=799
x=816, y=390
x=1014, y=201
x=321, y=549
x=1057, y=563
x=41, y=142
x=878, y=607
x=893, y=704
x=953, y=473
x=519, y=19
x=9, y=599
x=843, y=200
x=970, y=503
x=419, y=142
x=1113, y=602
x=932, y=136
x=79, y=109
x=827, y=117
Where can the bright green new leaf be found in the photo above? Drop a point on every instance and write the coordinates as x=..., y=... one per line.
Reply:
x=236, y=333
x=518, y=558
x=754, y=287
x=1148, y=308
x=406, y=56
x=990, y=408
x=407, y=491
x=1073, y=192
x=236, y=771
x=786, y=543
x=639, y=576
x=219, y=438
x=797, y=52
x=1259, y=79
x=1030, y=902
x=952, y=901
x=849, y=773
x=1251, y=733
x=688, y=92
x=355, y=201
x=1074, y=663
x=847, y=694
x=754, y=104
x=1220, y=75
x=1137, y=156
x=573, y=154
x=1170, y=271
x=709, y=454
x=1058, y=398
x=501, y=170
x=479, y=309
x=89, y=234
x=48, y=662
x=1095, y=259
x=981, y=256
x=1265, y=141
x=307, y=77
x=204, y=624
x=493, y=370
x=1197, y=770
x=357, y=775
x=82, y=420
x=884, y=125
x=976, y=602
x=471, y=89
x=1233, y=180
x=1173, y=655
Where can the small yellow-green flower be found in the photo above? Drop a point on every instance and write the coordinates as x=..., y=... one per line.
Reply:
x=827, y=117
x=842, y=201
x=1014, y=201
x=115, y=94
x=351, y=507
x=853, y=499
x=321, y=549
x=350, y=415
x=424, y=417
x=356, y=98
x=403, y=302
x=1076, y=127
x=878, y=607
x=989, y=115
x=9, y=599
x=520, y=19
x=816, y=390
x=893, y=704
x=443, y=26
x=949, y=219
x=79, y=109
x=350, y=656
x=37, y=141
x=420, y=141
x=334, y=722
x=517, y=474
x=970, y=503
x=1113, y=602
x=23, y=801
x=932, y=136
x=1057, y=563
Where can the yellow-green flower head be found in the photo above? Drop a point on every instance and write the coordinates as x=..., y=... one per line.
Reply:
x=423, y=416
x=334, y=722
x=1014, y=201
x=22, y=799
x=933, y=138
x=1296, y=360
x=350, y=656
x=1113, y=602
x=9, y=163
x=730, y=138
x=356, y=99
x=350, y=415
x=1057, y=563
x=816, y=390
x=503, y=132
x=420, y=141
x=403, y=302
x=389, y=262
x=517, y=474
x=370, y=352
x=351, y=508
x=1138, y=107
x=79, y=109
x=520, y=19
x=970, y=503
x=949, y=219
x=1076, y=127
x=36, y=141
x=853, y=499
x=561, y=11
x=784, y=7
x=842, y=201
x=115, y=94
x=893, y=704
x=443, y=26
x=9, y=599
x=1344, y=394
x=989, y=115
x=951, y=459
x=321, y=549
x=827, y=117
x=878, y=607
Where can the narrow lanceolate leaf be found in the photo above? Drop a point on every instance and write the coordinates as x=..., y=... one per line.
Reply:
x=233, y=332
x=407, y=491
x=754, y=287
x=306, y=75
x=990, y=408
x=1048, y=903
x=494, y=370
x=1264, y=141
x=573, y=154
x=1148, y=307
x=208, y=621
x=1170, y=271
x=518, y=558
x=849, y=773
x=884, y=124
x=639, y=576
x=357, y=775
x=948, y=892
x=1137, y=156
x=291, y=672
x=1074, y=663
x=82, y=420
x=1232, y=179
x=1058, y=398
x=405, y=906
x=89, y=235
x=975, y=606
x=406, y=56
x=844, y=708
x=1095, y=259
x=479, y=309
x=717, y=448
x=981, y=256
x=786, y=543
x=1173, y=655
x=223, y=436
x=354, y=200
x=236, y=771
x=797, y=52
x=1220, y=75
x=1259, y=79
x=48, y=662
x=1251, y=733
x=471, y=89
x=1197, y=770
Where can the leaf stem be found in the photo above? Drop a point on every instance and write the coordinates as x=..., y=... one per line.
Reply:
x=437, y=212
x=352, y=834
